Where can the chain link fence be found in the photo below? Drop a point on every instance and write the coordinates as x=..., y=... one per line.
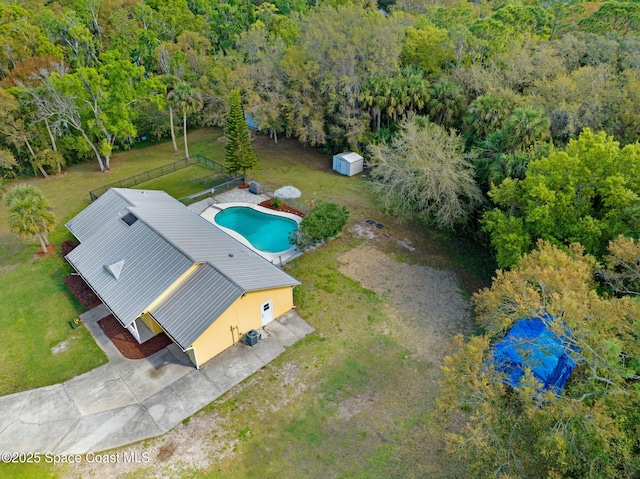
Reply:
x=161, y=171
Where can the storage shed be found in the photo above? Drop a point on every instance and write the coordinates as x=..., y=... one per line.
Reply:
x=348, y=163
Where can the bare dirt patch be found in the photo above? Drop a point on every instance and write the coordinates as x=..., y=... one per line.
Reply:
x=60, y=347
x=425, y=302
x=50, y=249
x=185, y=447
x=352, y=406
x=8, y=268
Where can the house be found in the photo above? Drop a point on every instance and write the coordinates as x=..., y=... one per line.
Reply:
x=158, y=266
x=348, y=163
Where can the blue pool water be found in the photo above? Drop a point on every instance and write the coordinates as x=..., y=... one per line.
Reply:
x=265, y=232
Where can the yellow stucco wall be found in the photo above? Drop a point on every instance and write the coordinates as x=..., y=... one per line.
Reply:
x=241, y=317
x=151, y=323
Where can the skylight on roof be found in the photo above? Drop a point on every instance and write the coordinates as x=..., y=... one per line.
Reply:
x=129, y=218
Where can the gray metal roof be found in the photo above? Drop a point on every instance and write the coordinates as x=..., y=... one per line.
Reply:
x=203, y=241
x=192, y=308
x=151, y=265
x=162, y=245
x=93, y=217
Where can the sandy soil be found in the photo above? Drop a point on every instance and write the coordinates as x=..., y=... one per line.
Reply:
x=425, y=302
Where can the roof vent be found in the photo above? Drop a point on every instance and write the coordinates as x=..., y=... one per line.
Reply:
x=115, y=269
x=230, y=255
x=129, y=218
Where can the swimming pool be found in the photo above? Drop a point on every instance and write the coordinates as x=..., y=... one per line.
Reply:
x=265, y=231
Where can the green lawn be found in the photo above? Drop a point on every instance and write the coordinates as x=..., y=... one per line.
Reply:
x=353, y=361
x=35, y=310
x=185, y=182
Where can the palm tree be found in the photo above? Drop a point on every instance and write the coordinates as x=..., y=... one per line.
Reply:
x=399, y=99
x=526, y=127
x=170, y=81
x=375, y=96
x=20, y=192
x=31, y=216
x=485, y=115
x=447, y=101
x=188, y=100
x=417, y=87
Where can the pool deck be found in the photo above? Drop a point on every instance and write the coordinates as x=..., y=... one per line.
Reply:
x=237, y=195
x=231, y=196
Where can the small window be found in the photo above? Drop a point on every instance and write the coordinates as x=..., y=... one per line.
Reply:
x=129, y=218
x=265, y=307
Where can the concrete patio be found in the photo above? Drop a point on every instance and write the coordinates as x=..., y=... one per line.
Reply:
x=126, y=400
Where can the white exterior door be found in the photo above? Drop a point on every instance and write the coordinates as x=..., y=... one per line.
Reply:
x=266, y=310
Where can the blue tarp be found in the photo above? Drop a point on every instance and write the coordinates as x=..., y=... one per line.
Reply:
x=531, y=344
x=248, y=117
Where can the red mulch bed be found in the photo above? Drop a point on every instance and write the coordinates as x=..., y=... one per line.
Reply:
x=67, y=247
x=284, y=208
x=127, y=344
x=82, y=291
x=50, y=249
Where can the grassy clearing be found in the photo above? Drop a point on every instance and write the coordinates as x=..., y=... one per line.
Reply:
x=287, y=163
x=348, y=401
x=189, y=180
x=35, y=311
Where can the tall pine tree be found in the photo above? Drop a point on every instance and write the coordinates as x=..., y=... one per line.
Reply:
x=240, y=155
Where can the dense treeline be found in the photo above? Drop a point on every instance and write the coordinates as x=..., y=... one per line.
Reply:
x=82, y=78
x=519, y=121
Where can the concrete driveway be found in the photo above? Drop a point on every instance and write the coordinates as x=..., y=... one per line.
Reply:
x=126, y=400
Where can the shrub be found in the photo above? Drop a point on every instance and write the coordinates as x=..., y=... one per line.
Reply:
x=81, y=290
x=276, y=202
x=68, y=246
x=324, y=221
